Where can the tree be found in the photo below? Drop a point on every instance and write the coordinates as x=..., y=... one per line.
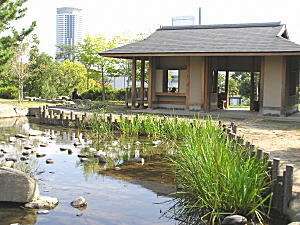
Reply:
x=96, y=65
x=11, y=10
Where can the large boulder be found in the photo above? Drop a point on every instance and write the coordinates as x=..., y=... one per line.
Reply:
x=16, y=186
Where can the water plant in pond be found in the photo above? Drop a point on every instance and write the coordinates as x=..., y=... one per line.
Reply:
x=218, y=177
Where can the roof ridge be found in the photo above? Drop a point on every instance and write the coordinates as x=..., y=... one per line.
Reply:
x=216, y=26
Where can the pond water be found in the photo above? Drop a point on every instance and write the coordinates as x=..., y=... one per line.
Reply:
x=112, y=198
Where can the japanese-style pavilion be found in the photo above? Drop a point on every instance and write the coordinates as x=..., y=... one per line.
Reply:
x=195, y=54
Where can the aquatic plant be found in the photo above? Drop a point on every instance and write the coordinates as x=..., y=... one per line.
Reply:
x=218, y=176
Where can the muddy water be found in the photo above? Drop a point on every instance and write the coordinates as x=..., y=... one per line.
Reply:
x=113, y=198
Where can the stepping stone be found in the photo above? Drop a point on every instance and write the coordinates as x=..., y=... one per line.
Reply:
x=11, y=159
x=43, y=145
x=28, y=147
x=25, y=153
x=20, y=136
x=63, y=149
x=23, y=158
x=40, y=155
x=12, y=139
x=49, y=161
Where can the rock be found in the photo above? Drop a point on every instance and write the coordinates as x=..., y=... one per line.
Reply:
x=20, y=136
x=12, y=139
x=2, y=150
x=28, y=147
x=70, y=151
x=25, y=153
x=79, y=214
x=137, y=143
x=16, y=186
x=234, y=220
x=82, y=156
x=158, y=142
x=7, y=164
x=117, y=168
x=8, y=111
x=3, y=142
x=79, y=202
x=101, y=159
x=23, y=158
x=11, y=159
x=1, y=155
x=40, y=155
x=85, y=160
x=115, y=143
x=92, y=150
x=43, y=202
x=77, y=144
x=63, y=149
x=294, y=223
x=138, y=160
x=43, y=211
x=43, y=145
x=49, y=161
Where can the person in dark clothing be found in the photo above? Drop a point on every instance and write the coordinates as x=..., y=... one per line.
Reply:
x=75, y=94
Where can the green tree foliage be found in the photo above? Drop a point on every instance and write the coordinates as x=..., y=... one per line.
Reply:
x=99, y=68
x=11, y=10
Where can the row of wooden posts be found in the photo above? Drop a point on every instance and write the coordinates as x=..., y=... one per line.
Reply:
x=281, y=184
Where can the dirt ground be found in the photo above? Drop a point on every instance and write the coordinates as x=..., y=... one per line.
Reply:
x=281, y=139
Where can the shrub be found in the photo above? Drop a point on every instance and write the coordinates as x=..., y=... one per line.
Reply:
x=110, y=94
x=9, y=92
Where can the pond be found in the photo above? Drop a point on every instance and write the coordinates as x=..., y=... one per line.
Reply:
x=131, y=195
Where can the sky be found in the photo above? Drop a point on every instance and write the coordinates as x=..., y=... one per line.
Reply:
x=112, y=17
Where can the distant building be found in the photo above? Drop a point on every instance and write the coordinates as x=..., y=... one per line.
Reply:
x=68, y=26
x=183, y=20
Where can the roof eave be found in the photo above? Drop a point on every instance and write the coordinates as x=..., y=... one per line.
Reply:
x=132, y=55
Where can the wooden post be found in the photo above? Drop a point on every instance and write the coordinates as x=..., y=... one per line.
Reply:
x=252, y=86
x=142, y=94
x=227, y=88
x=284, y=94
x=133, y=85
x=188, y=78
x=261, y=84
x=150, y=82
x=287, y=187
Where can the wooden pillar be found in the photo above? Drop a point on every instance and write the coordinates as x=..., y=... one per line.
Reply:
x=150, y=82
x=133, y=85
x=227, y=88
x=252, y=86
x=261, y=84
x=284, y=94
x=206, y=85
x=215, y=81
x=188, y=78
x=142, y=94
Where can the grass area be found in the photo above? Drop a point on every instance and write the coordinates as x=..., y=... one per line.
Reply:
x=25, y=103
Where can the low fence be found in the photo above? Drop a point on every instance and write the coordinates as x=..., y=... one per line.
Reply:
x=281, y=183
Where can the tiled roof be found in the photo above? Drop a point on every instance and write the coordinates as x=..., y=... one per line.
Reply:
x=223, y=38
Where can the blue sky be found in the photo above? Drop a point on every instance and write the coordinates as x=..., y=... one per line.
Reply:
x=144, y=16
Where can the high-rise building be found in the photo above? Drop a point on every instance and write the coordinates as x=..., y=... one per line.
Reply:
x=68, y=27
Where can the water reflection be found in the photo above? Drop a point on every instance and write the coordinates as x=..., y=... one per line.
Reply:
x=13, y=213
x=127, y=196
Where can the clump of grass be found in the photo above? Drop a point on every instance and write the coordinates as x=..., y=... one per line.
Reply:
x=218, y=177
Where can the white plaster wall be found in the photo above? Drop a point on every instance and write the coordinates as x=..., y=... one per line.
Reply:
x=182, y=81
x=273, y=70
x=196, y=68
x=158, y=80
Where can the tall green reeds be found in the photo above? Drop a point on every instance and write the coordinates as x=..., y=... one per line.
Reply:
x=218, y=177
